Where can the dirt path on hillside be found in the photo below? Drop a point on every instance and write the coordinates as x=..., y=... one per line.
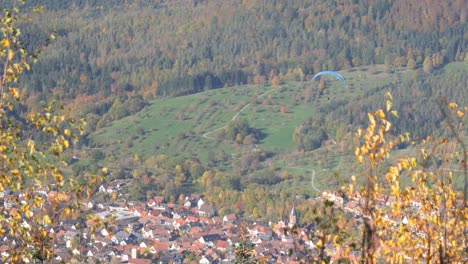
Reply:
x=312, y=177
x=206, y=135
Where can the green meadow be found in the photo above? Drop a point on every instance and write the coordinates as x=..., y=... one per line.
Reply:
x=188, y=126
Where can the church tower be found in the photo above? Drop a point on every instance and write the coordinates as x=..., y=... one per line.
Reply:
x=292, y=217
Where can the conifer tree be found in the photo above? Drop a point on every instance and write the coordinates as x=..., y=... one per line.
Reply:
x=427, y=64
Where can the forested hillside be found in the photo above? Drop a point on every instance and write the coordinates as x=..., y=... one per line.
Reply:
x=109, y=59
x=238, y=143
x=113, y=50
x=216, y=105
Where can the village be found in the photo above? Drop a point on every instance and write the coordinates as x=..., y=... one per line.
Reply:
x=158, y=232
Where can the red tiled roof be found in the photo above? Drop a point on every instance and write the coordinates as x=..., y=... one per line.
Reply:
x=161, y=246
x=180, y=222
x=139, y=261
x=192, y=218
x=221, y=244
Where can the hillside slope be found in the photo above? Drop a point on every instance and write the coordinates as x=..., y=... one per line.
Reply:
x=190, y=131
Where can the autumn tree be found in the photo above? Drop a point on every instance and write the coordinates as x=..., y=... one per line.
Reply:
x=34, y=188
x=413, y=206
x=259, y=79
x=427, y=65
x=283, y=109
x=411, y=64
x=276, y=81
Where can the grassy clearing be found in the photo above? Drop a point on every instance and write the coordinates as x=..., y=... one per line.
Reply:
x=176, y=126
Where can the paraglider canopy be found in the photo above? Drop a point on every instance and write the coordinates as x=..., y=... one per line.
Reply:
x=337, y=75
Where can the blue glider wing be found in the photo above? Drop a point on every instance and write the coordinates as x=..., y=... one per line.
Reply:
x=337, y=75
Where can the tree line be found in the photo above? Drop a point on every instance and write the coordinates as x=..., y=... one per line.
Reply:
x=170, y=48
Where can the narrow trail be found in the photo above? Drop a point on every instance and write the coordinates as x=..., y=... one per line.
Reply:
x=312, y=178
x=206, y=135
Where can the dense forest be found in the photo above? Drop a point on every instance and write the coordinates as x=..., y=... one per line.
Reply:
x=108, y=60
x=113, y=50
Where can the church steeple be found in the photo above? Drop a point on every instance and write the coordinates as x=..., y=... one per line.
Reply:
x=293, y=217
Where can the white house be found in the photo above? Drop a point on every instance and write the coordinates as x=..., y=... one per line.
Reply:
x=104, y=232
x=200, y=203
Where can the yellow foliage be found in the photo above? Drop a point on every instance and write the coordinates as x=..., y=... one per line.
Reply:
x=5, y=43
x=67, y=210
x=319, y=244
x=46, y=220
x=359, y=159
x=11, y=54
x=453, y=105
x=389, y=105
x=380, y=114
x=14, y=92
x=65, y=143
x=412, y=220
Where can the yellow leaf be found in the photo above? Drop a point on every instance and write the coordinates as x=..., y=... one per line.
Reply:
x=460, y=113
x=46, y=220
x=453, y=105
x=14, y=92
x=104, y=170
x=31, y=145
x=66, y=143
x=67, y=211
x=11, y=54
x=371, y=119
x=18, y=68
x=359, y=158
x=359, y=132
x=319, y=243
x=66, y=132
x=364, y=150
x=380, y=113
x=389, y=105
x=335, y=239
x=394, y=112
x=356, y=151
x=401, y=239
x=6, y=43
x=387, y=125
x=389, y=95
